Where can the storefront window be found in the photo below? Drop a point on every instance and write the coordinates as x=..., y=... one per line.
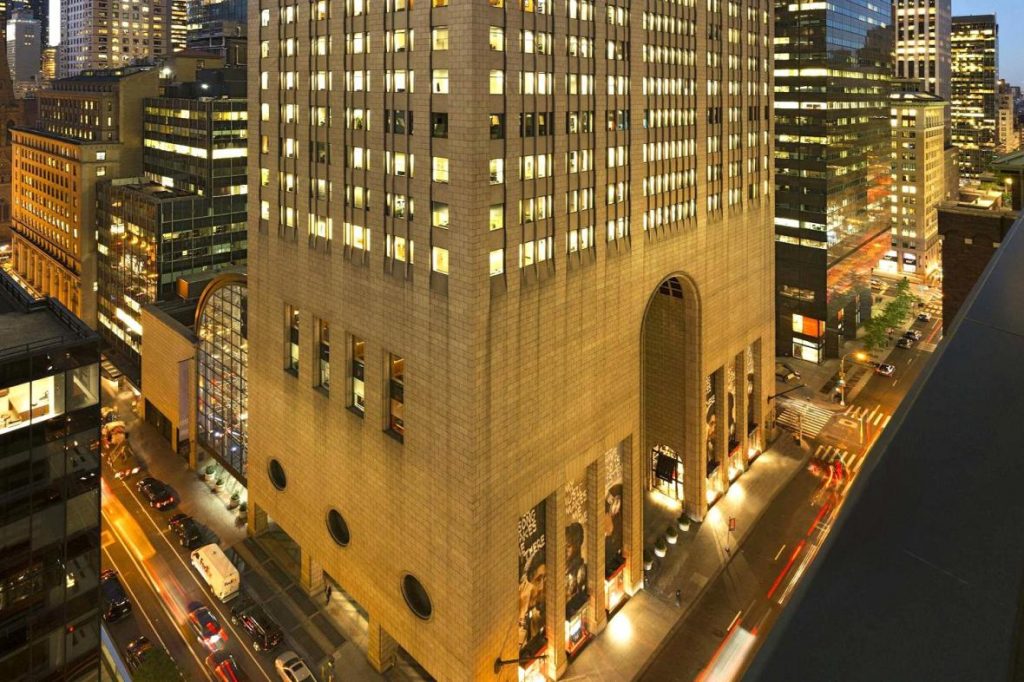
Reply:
x=533, y=638
x=577, y=612
x=614, y=561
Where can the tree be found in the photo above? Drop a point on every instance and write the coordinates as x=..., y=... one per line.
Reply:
x=157, y=666
x=875, y=336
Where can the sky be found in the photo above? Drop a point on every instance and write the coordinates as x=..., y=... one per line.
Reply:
x=1010, y=16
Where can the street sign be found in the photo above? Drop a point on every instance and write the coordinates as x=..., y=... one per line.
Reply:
x=732, y=523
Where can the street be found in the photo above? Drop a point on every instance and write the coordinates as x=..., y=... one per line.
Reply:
x=722, y=630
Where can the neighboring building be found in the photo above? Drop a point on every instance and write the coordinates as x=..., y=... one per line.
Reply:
x=168, y=371
x=918, y=161
x=833, y=170
x=975, y=65
x=23, y=46
x=184, y=66
x=49, y=64
x=12, y=113
x=210, y=22
x=149, y=235
x=972, y=228
x=89, y=129
x=923, y=43
x=1006, y=123
x=96, y=34
x=587, y=327
x=50, y=459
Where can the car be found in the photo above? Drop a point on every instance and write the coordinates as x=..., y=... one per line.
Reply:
x=924, y=317
x=784, y=372
x=115, y=602
x=224, y=667
x=187, y=531
x=264, y=632
x=291, y=668
x=136, y=651
x=905, y=343
x=912, y=334
x=885, y=369
x=876, y=282
x=207, y=628
x=156, y=493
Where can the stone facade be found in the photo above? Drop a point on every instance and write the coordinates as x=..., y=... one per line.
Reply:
x=521, y=370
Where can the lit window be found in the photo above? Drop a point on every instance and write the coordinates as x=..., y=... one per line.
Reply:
x=440, y=214
x=497, y=262
x=292, y=359
x=440, y=81
x=439, y=169
x=439, y=260
x=496, y=169
x=396, y=395
x=496, y=217
x=357, y=391
x=497, y=82
x=497, y=38
x=324, y=343
x=439, y=38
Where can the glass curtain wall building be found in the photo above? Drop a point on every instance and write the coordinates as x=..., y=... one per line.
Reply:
x=222, y=359
x=833, y=66
x=975, y=68
x=49, y=490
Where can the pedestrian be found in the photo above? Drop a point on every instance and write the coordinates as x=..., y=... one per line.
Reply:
x=328, y=598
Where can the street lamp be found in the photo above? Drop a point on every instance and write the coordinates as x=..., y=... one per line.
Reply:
x=842, y=373
x=1009, y=190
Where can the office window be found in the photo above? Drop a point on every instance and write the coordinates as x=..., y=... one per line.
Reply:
x=357, y=390
x=497, y=262
x=439, y=260
x=496, y=217
x=439, y=169
x=324, y=348
x=439, y=38
x=497, y=83
x=439, y=81
x=440, y=214
x=496, y=168
x=496, y=38
x=497, y=122
x=396, y=395
x=439, y=124
x=292, y=321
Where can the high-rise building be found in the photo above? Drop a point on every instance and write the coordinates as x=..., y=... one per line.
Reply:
x=89, y=129
x=975, y=66
x=918, y=160
x=832, y=162
x=210, y=22
x=1006, y=119
x=49, y=64
x=96, y=34
x=23, y=40
x=12, y=113
x=587, y=327
x=50, y=463
x=923, y=43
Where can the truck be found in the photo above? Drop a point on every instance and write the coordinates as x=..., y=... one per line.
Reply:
x=218, y=572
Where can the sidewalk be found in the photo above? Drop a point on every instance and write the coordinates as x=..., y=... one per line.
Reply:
x=634, y=634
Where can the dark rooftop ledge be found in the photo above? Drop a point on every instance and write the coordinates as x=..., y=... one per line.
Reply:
x=921, y=576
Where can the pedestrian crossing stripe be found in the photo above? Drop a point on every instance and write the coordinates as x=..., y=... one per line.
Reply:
x=798, y=415
x=878, y=419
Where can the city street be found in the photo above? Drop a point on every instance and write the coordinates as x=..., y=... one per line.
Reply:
x=740, y=605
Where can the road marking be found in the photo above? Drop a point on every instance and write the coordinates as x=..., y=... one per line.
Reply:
x=828, y=450
x=818, y=451
x=886, y=422
x=878, y=419
x=735, y=619
x=145, y=574
x=872, y=415
x=848, y=409
x=217, y=604
x=779, y=553
x=895, y=382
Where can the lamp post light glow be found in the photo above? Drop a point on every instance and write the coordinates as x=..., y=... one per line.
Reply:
x=861, y=356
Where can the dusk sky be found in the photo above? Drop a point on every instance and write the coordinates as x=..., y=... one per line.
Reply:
x=1010, y=15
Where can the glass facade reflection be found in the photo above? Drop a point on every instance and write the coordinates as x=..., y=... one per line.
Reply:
x=833, y=66
x=221, y=362
x=49, y=491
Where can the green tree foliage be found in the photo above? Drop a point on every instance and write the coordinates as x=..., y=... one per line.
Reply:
x=158, y=666
x=892, y=315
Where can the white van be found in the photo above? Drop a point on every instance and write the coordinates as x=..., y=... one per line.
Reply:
x=219, y=573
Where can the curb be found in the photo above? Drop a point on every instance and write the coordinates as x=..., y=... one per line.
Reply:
x=722, y=566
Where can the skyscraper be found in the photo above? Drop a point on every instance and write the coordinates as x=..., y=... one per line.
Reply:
x=833, y=65
x=466, y=440
x=923, y=43
x=49, y=453
x=1006, y=124
x=975, y=72
x=23, y=46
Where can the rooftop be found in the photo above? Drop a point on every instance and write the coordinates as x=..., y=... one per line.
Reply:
x=920, y=578
x=149, y=188
x=28, y=325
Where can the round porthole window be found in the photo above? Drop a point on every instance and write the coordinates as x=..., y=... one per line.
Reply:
x=276, y=472
x=337, y=527
x=416, y=597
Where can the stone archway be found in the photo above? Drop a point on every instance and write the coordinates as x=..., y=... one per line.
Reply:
x=671, y=389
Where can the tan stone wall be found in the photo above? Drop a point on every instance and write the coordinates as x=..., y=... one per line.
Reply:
x=165, y=345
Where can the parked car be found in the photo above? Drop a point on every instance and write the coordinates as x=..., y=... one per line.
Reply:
x=905, y=343
x=877, y=283
x=886, y=370
x=156, y=493
x=186, y=530
x=264, y=632
x=207, y=628
x=116, y=604
x=136, y=651
x=224, y=667
x=784, y=372
x=912, y=334
x=291, y=668
x=924, y=317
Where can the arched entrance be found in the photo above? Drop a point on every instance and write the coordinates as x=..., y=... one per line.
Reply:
x=670, y=403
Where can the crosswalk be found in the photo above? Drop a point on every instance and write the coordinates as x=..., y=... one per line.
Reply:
x=830, y=453
x=799, y=415
x=872, y=417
